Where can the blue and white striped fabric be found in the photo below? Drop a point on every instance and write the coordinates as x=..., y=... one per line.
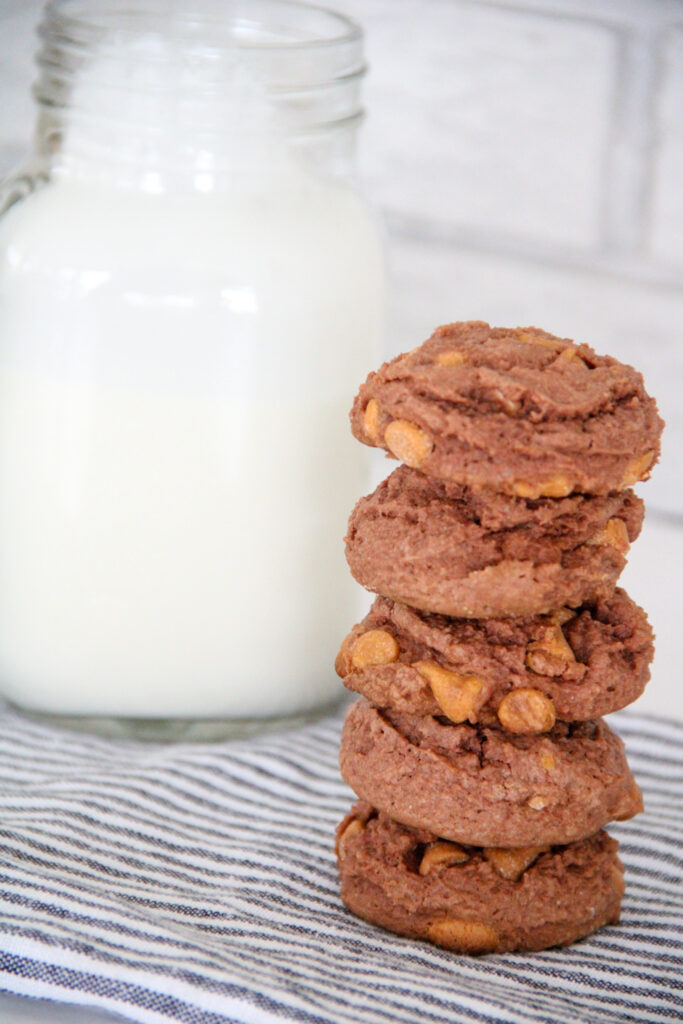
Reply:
x=197, y=884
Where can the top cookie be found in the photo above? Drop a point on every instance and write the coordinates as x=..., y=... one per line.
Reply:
x=517, y=410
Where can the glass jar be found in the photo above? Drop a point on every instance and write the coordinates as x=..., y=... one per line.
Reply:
x=190, y=293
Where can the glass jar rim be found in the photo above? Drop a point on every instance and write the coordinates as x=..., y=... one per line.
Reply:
x=169, y=88
x=81, y=20
x=269, y=35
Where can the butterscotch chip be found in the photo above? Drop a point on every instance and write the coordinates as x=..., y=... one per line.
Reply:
x=371, y=419
x=561, y=616
x=376, y=647
x=638, y=469
x=526, y=710
x=463, y=936
x=450, y=358
x=569, y=353
x=551, y=654
x=354, y=827
x=342, y=663
x=442, y=854
x=537, y=802
x=613, y=534
x=569, y=892
x=455, y=694
x=408, y=443
x=537, y=338
x=554, y=487
x=512, y=863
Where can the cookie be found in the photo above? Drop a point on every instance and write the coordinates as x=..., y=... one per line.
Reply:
x=445, y=548
x=484, y=786
x=518, y=410
x=475, y=900
x=524, y=674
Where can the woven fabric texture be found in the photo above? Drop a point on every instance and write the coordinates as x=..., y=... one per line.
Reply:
x=197, y=884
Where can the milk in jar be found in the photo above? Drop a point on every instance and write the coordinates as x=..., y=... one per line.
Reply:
x=190, y=292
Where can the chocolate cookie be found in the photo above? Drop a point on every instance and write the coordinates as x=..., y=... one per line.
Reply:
x=476, y=554
x=524, y=674
x=475, y=900
x=485, y=786
x=518, y=410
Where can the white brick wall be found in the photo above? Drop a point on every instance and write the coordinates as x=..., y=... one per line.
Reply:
x=666, y=236
x=551, y=127
x=17, y=46
x=471, y=126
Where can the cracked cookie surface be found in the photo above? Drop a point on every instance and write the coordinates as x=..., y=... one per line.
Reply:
x=516, y=409
x=485, y=786
x=475, y=900
x=445, y=548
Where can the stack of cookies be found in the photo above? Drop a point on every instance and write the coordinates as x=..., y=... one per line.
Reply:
x=484, y=769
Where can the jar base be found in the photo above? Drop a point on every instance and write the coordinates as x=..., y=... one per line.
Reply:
x=176, y=730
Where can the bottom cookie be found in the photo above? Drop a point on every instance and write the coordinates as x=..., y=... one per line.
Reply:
x=471, y=899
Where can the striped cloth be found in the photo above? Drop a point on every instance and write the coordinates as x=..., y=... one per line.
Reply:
x=197, y=883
